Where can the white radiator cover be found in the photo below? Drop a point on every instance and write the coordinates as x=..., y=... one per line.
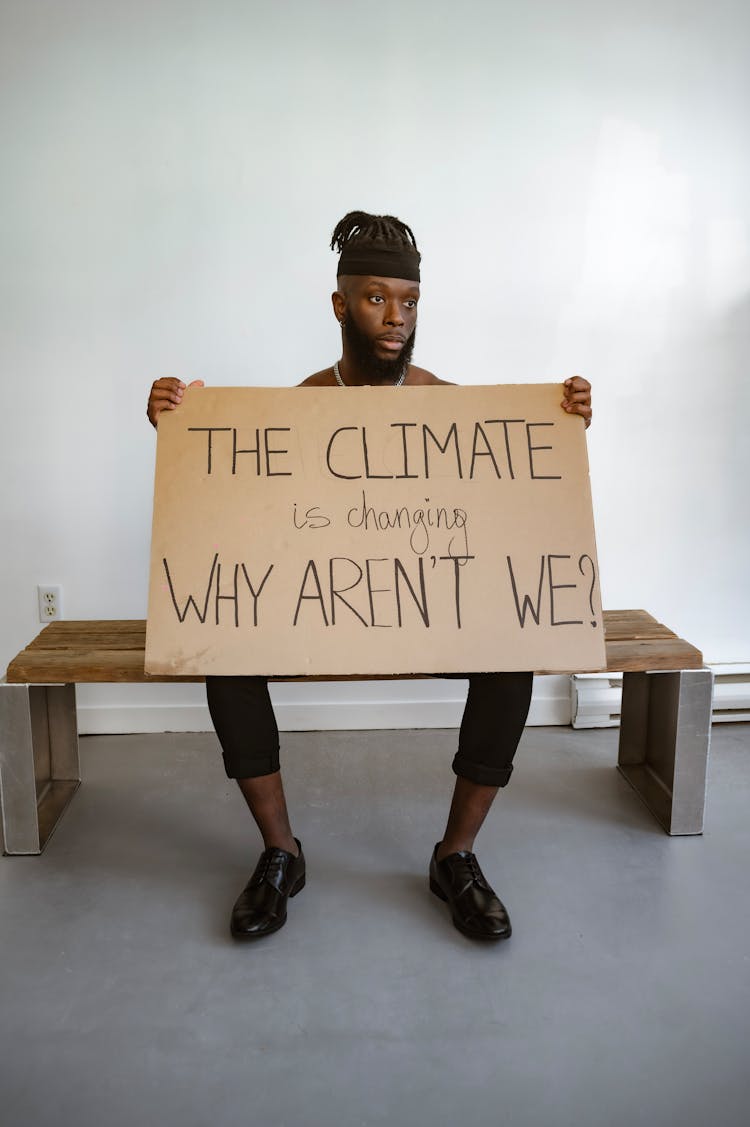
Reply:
x=595, y=698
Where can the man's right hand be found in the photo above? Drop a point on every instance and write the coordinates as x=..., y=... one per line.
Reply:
x=165, y=395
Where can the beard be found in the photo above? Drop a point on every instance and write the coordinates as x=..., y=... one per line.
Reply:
x=362, y=351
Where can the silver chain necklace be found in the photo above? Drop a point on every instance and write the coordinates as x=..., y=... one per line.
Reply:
x=341, y=383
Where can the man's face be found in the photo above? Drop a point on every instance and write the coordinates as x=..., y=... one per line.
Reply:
x=379, y=322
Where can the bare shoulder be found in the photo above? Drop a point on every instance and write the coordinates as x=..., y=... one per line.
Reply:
x=420, y=377
x=320, y=379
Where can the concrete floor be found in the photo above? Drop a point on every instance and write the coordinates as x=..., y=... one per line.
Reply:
x=623, y=995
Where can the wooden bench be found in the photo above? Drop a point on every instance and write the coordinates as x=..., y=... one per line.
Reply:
x=664, y=733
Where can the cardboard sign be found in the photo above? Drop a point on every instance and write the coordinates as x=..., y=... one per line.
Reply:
x=371, y=531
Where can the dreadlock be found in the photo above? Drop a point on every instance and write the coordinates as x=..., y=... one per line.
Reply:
x=376, y=244
x=360, y=226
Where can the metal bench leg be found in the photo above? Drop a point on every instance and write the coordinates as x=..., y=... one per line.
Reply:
x=665, y=733
x=39, y=767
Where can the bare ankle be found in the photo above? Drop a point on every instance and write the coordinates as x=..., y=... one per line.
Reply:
x=282, y=841
x=447, y=847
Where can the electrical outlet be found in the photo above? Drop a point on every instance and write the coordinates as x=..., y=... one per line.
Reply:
x=50, y=603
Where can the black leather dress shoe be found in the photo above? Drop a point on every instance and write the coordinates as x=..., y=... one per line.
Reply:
x=476, y=910
x=261, y=907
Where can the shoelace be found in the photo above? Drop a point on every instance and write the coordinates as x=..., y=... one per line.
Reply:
x=473, y=864
x=270, y=867
x=473, y=872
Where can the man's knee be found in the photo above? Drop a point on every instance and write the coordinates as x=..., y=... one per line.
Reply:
x=243, y=717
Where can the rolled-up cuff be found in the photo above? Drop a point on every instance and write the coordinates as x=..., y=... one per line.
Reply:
x=250, y=766
x=479, y=773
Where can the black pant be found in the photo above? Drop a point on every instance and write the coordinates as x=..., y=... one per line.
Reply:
x=496, y=709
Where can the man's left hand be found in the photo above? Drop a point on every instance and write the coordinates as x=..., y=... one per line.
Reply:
x=577, y=399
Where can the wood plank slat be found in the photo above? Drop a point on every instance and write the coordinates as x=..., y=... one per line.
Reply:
x=83, y=667
x=621, y=634
x=634, y=624
x=620, y=619
x=643, y=655
x=88, y=641
x=635, y=616
x=94, y=625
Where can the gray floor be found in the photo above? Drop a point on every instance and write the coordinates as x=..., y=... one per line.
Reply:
x=622, y=996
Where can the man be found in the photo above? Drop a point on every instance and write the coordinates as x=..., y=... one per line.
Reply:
x=375, y=303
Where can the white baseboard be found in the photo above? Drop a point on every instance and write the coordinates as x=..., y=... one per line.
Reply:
x=327, y=706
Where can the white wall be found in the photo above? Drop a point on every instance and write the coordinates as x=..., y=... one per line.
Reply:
x=578, y=178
